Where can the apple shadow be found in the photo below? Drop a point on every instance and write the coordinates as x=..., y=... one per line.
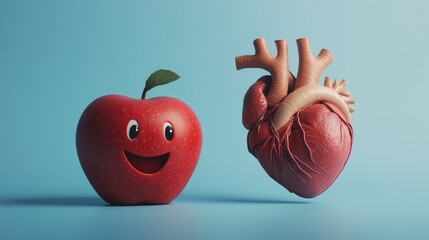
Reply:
x=55, y=201
x=98, y=202
x=238, y=199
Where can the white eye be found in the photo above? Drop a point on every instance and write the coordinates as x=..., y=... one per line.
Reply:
x=168, y=131
x=132, y=129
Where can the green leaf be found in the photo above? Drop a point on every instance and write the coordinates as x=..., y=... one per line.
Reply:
x=159, y=77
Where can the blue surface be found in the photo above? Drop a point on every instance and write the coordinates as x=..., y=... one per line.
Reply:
x=57, y=56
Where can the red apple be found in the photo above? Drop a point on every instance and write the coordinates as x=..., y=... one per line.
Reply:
x=139, y=151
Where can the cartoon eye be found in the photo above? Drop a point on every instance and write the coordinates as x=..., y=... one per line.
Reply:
x=132, y=129
x=168, y=131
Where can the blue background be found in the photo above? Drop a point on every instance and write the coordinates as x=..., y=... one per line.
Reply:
x=58, y=56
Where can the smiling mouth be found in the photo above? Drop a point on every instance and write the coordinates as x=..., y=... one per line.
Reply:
x=148, y=165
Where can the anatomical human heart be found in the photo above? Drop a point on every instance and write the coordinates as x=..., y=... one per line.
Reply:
x=298, y=130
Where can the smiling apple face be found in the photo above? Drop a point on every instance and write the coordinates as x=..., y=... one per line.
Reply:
x=137, y=151
x=147, y=162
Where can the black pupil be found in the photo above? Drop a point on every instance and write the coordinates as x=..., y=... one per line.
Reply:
x=133, y=131
x=169, y=133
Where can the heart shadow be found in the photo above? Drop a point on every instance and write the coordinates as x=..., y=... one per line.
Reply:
x=238, y=199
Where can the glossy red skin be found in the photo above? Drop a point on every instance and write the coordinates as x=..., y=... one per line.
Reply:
x=308, y=153
x=101, y=139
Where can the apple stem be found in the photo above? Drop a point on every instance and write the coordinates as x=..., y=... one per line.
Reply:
x=144, y=93
x=157, y=78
